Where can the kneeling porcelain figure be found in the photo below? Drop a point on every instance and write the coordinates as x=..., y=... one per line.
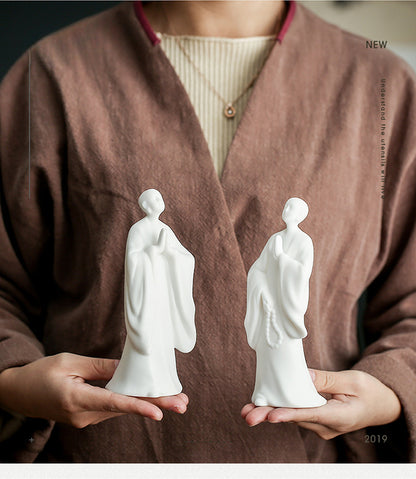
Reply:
x=277, y=298
x=158, y=306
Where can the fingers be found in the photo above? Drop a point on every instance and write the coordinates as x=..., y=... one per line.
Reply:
x=337, y=415
x=282, y=414
x=184, y=398
x=257, y=415
x=176, y=403
x=94, y=405
x=98, y=399
x=332, y=382
x=246, y=409
x=95, y=417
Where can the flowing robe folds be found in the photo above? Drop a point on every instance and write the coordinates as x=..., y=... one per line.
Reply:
x=277, y=299
x=159, y=312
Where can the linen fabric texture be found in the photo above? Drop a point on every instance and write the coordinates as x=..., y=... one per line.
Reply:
x=109, y=119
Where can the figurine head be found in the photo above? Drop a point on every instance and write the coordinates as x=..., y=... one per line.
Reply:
x=151, y=202
x=295, y=211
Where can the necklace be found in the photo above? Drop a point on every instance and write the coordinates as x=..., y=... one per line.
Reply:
x=229, y=108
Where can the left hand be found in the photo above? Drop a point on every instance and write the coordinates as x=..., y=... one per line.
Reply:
x=278, y=246
x=357, y=400
x=161, y=242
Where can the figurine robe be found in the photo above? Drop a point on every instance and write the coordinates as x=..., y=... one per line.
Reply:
x=277, y=299
x=159, y=311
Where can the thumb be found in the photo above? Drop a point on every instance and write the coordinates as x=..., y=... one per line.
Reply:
x=331, y=382
x=97, y=368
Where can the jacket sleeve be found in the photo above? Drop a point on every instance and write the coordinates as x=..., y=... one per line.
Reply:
x=390, y=316
x=27, y=191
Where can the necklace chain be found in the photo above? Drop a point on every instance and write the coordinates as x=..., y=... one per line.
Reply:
x=229, y=109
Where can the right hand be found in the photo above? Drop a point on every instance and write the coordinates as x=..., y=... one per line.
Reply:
x=160, y=246
x=54, y=388
x=161, y=242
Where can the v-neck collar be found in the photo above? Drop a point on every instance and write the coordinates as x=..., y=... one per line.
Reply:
x=155, y=41
x=229, y=196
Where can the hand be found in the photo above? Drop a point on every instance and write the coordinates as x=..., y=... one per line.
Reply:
x=161, y=242
x=160, y=246
x=278, y=246
x=357, y=400
x=54, y=388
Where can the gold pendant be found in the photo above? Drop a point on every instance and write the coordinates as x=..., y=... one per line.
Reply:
x=229, y=111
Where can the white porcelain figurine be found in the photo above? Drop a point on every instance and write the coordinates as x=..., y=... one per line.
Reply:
x=277, y=298
x=158, y=306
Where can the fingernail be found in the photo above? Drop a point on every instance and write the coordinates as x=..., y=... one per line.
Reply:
x=179, y=409
x=158, y=416
x=274, y=421
x=313, y=374
x=116, y=362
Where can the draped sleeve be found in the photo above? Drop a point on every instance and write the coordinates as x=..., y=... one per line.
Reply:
x=138, y=291
x=293, y=283
x=181, y=272
x=256, y=290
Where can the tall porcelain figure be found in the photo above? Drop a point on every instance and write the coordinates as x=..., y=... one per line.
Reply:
x=277, y=299
x=158, y=306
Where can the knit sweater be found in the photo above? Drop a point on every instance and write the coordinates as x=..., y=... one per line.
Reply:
x=226, y=65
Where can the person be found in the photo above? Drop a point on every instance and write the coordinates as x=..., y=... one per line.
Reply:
x=158, y=306
x=120, y=104
x=277, y=298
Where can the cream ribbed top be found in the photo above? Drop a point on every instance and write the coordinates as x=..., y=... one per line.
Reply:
x=230, y=65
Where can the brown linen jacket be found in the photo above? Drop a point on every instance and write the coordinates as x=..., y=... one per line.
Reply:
x=109, y=119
